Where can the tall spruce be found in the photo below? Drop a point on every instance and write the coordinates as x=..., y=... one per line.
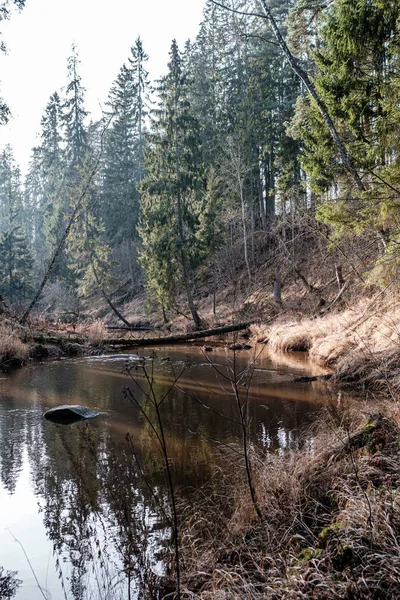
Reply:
x=172, y=191
x=123, y=162
x=75, y=115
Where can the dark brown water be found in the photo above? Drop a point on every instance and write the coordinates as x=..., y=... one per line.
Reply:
x=77, y=517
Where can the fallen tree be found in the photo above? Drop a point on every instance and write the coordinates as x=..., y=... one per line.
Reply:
x=156, y=341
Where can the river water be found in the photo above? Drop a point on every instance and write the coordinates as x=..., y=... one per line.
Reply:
x=78, y=503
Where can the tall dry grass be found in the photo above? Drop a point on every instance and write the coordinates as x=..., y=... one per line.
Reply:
x=96, y=332
x=12, y=349
x=345, y=341
x=331, y=527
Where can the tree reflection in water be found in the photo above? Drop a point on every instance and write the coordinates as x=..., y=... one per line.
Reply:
x=108, y=524
x=97, y=511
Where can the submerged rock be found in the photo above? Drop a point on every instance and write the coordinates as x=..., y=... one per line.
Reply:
x=240, y=346
x=69, y=413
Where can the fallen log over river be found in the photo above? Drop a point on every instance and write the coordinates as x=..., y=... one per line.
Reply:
x=155, y=341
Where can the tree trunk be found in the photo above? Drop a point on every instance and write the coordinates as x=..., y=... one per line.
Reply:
x=107, y=298
x=245, y=248
x=278, y=287
x=339, y=276
x=171, y=339
x=75, y=214
x=192, y=308
x=346, y=160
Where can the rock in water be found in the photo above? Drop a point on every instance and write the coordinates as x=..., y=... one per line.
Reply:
x=69, y=413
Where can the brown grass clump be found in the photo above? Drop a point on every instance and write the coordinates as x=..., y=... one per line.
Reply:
x=12, y=349
x=330, y=529
x=364, y=346
x=96, y=332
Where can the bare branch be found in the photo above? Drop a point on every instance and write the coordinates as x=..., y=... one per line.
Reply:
x=236, y=11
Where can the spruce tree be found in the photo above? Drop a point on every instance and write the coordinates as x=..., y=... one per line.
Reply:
x=123, y=162
x=15, y=257
x=74, y=118
x=172, y=191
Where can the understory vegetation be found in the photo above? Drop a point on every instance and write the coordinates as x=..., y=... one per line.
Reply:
x=330, y=519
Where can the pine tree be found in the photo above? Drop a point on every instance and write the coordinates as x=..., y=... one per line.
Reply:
x=172, y=190
x=15, y=257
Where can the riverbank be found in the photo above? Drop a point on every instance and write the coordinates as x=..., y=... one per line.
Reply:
x=329, y=526
x=330, y=514
x=361, y=345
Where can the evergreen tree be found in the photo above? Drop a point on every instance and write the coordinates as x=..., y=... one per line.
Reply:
x=123, y=163
x=172, y=190
x=74, y=117
x=357, y=66
x=15, y=257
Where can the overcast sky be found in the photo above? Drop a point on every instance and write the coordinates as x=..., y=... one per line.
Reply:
x=39, y=40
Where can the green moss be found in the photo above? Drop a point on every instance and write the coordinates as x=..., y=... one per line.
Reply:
x=369, y=426
x=329, y=532
x=308, y=554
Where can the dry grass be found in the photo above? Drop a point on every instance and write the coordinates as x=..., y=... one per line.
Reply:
x=331, y=527
x=96, y=332
x=12, y=349
x=339, y=340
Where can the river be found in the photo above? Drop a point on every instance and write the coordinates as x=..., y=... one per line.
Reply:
x=78, y=517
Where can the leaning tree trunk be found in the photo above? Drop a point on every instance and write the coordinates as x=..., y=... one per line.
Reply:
x=74, y=215
x=60, y=246
x=346, y=159
x=107, y=298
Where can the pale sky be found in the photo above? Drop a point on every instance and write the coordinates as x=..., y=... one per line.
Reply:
x=39, y=40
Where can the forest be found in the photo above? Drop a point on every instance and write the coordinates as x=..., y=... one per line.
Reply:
x=255, y=186
x=274, y=126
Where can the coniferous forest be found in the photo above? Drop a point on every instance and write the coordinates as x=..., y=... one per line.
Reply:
x=252, y=191
x=277, y=123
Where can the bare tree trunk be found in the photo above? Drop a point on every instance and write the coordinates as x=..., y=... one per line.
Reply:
x=278, y=287
x=263, y=214
x=339, y=276
x=75, y=214
x=303, y=75
x=107, y=298
x=245, y=248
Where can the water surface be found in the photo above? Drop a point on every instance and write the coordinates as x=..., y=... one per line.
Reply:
x=78, y=518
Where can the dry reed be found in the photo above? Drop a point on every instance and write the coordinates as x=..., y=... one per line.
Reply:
x=364, y=347
x=12, y=349
x=96, y=332
x=331, y=527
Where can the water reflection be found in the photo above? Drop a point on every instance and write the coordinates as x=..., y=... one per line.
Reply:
x=95, y=526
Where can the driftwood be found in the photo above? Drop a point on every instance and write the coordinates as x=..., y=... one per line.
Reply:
x=176, y=339
x=156, y=341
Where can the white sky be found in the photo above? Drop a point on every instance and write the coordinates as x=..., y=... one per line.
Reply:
x=39, y=40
